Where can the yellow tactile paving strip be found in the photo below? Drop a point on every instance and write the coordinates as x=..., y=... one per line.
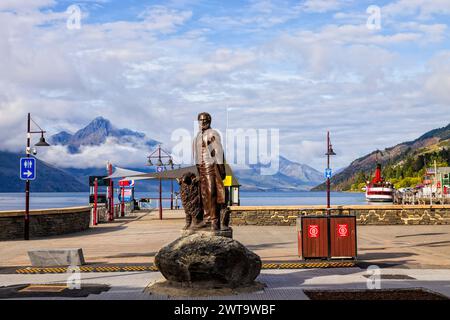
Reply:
x=112, y=268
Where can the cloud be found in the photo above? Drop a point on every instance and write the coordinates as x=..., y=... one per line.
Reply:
x=422, y=9
x=121, y=154
x=222, y=61
x=24, y=5
x=258, y=15
x=155, y=72
x=163, y=19
x=322, y=6
x=437, y=82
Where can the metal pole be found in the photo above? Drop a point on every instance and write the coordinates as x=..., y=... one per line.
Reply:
x=171, y=192
x=328, y=179
x=160, y=187
x=111, y=194
x=27, y=186
x=95, y=218
x=122, y=205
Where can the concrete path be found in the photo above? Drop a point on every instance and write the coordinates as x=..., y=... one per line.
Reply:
x=136, y=239
x=281, y=284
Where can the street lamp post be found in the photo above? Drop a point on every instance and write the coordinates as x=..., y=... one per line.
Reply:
x=161, y=154
x=329, y=153
x=41, y=143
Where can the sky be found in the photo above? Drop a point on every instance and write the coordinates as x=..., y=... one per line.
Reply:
x=373, y=73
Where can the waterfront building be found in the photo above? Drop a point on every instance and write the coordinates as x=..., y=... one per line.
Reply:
x=436, y=182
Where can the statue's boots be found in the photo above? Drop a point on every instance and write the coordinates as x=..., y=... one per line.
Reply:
x=215, y=224
x=199, y=224
x=188, y=222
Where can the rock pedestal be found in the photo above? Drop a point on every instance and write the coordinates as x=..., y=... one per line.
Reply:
x=219, y=233
x=204, y=260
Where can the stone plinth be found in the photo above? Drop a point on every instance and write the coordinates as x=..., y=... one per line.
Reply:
x=219, y=233
x=207, y=261
x=56, y=257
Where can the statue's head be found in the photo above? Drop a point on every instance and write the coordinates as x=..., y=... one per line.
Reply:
x=204, y=120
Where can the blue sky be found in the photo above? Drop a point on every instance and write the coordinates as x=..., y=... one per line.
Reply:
x=303, y=67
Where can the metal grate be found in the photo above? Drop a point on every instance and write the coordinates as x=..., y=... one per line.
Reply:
x=44, y=288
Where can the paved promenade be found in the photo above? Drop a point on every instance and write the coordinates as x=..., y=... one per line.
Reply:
x=409, y=257
x=280, y=284
x=136, y=239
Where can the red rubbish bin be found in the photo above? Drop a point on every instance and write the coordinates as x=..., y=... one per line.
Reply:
x=343, y=237
x=313, y=237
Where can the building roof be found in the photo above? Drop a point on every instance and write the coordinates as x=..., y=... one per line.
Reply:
x=121, y=173
x=430, y=171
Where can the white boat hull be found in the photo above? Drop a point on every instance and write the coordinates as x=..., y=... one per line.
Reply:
x=379, y=194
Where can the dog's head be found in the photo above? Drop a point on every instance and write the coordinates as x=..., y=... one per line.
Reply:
x=187, y=178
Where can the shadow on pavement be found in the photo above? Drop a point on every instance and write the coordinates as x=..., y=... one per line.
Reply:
x=267, y=245
x=421, y=234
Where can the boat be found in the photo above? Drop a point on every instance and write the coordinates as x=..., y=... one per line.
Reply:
x=379, y=190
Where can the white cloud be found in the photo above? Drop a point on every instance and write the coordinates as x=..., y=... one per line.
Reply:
x=220, y=62
x=153, y=75
x=163, y=19
x=127, y=155
x=422, y=9
x=24, y=5
x=322, y=5
x=437, y=82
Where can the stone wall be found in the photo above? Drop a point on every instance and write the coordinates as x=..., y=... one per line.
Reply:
x=365, y=214
x=43, y=223
x=103, y=214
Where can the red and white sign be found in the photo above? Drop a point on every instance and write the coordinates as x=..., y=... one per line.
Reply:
x=342, y=230
x=313, y=231
x=126, y=183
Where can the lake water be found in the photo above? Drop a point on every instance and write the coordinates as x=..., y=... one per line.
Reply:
x=16, y=201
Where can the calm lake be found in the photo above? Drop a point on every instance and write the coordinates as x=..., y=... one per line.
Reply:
x=13, y=201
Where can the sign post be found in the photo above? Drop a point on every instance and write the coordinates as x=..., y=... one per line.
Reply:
x=95, y=218
x=27, y=173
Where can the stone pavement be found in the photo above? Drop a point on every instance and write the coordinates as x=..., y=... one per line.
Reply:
x=136, y=239
x=421, y=253
x=280, y=284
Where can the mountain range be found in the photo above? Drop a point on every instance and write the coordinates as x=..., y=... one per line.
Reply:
x=425, y=147
x=96, y=133
x=291, y=175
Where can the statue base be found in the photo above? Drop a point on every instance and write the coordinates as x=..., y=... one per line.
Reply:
x=177, y=289
x=205, y=261
x=208, y=232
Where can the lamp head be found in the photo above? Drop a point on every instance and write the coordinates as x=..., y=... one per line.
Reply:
x=42, y=142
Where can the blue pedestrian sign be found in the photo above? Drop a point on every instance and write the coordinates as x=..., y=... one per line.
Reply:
x=328, y=173
x=159, y=169
x=27, y=168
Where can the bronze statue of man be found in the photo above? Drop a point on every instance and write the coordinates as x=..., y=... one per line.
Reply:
x=210, y=162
